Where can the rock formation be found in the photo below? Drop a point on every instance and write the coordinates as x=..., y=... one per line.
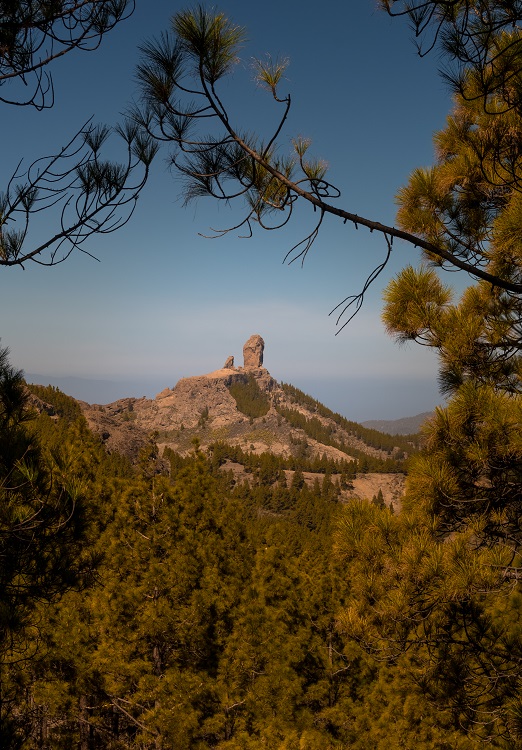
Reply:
x=203, y=406
x=253, y=352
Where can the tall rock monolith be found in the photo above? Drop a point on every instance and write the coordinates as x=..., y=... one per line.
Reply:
x=253, y=352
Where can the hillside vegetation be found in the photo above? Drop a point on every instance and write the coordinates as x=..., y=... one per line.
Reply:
x=209, y=617
x=403, y=444
x=250, y=399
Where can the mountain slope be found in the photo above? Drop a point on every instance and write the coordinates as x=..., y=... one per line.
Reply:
x=249, y=411
x=244, y=407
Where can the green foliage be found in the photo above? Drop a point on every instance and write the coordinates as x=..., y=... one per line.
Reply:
x=212, y=618
x=221, y=452
x=250, y=400
x=209, y=39
x=203, y=417
x=316, y=430
x=378, y=500
x=440, y=581
x=439, y=600
x=47, y=524
x=375, y=439
x=65, y=406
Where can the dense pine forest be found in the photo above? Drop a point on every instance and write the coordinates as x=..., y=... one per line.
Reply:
x=165, y=605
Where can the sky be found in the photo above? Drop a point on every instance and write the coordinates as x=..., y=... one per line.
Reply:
x=164, y=302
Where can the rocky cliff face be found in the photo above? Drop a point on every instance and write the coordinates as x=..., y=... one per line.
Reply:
x=195, y=402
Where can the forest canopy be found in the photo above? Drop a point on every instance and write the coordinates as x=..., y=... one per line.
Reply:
x=200, y=612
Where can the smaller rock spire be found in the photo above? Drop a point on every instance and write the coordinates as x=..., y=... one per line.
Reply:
x=229, y=364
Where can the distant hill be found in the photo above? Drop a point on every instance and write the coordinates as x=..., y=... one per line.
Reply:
x=404, y=426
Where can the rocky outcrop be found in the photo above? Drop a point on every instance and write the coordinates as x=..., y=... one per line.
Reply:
x=253, y=352
x=191, y=396
x=118, y=427
x=203, y=407
x=39, y=405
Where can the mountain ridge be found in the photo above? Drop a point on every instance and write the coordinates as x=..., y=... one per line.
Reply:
x=250, y=411
x=402, y=426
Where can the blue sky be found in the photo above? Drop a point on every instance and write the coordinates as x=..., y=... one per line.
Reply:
x=165, y=302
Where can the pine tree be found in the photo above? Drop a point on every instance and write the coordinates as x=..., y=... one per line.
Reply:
x=76, y=185
x=177, y=558
x=439, y=580
x=46, y=529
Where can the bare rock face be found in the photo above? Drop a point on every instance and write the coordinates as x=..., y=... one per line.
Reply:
x=253, y=352
x=229, y=364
